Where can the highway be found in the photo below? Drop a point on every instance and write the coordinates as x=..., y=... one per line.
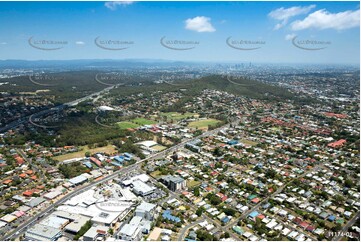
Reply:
x=19, y=230
x=29, y=118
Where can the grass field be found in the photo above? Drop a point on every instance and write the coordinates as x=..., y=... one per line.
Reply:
x=192, y=183
x=106, y=149
x=143, y=121
x=159, y=147
x=248, y=142
x=127, y=125
x=155, y=174
x=203, y=124
x=178, y=116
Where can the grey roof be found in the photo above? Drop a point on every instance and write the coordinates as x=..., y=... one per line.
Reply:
x=146, y=206
x=42, y=232
x=35, y=202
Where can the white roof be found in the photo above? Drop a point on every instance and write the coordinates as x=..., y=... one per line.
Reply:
x=105, y=108
x=271, y=224
x=148, y=143
x=76, y=225
x=52, y=195
x=129, y=230
x=146, y=206
x=42, y=232
x=93, y=231
x=78, y=179
x=141, y=186
x=55, y=222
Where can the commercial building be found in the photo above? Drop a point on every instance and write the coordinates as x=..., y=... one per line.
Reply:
x=145, y=210
x=75, y=181
x=55, y=222
x=95, y=232
x=40, y=232
x=141, y=188
x=131, y=231
x=174, y=183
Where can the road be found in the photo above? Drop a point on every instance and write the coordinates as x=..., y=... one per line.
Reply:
x=28, y=118
x=32, y=165
x=278, y=191
x=19, y=230
x=183, y=232
x=342, y=233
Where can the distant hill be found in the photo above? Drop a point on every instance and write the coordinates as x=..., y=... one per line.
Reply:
x=243, y=87
x=67, y=86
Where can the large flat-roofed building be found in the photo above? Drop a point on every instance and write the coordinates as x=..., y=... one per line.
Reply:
x=55, y=222
x=145, y=210
x=41, y=232
x=95, y=232
x=75, y=181
x=75, y=226
x=174, y=183
x=141, y=177
x=131, y=231
x=141, y=188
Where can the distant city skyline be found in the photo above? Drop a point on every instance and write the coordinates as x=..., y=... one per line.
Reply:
x=259, y=32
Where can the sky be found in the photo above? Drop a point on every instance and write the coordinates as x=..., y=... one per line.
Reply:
x=265, y=32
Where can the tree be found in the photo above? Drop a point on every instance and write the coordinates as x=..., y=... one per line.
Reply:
x=199, y=211
x=349, y=183
x=83, y=230
x=196, y=191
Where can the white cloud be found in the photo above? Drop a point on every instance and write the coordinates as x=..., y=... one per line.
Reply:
x=290, y=36
x=3, y=43
x=113, y=5
x=284, y=14
x=199, y=24
x=323, y=19
x=80, y=43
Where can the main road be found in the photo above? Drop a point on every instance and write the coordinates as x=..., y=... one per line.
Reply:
x=19, y=230
x=29, y=118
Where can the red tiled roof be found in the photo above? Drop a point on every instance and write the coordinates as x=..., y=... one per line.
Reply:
x=337, y=143
x=28, y=193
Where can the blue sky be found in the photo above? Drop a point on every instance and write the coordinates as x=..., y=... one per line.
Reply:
x=270, y=27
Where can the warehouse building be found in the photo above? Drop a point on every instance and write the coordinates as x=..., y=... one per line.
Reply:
x=41, y=232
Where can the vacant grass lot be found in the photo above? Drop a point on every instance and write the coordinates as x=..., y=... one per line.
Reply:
x=106, y=149
x=127, y=125
x=143, y=121
x=178, y=116
x=159, y=147
x=192, y=183
x=248, y=142
x=203, y=124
